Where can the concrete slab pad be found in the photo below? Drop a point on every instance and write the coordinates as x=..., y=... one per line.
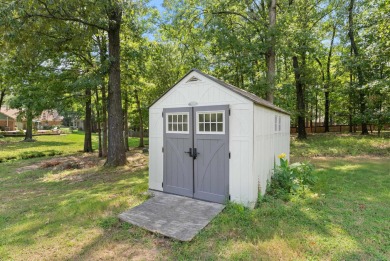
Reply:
x=174, y=216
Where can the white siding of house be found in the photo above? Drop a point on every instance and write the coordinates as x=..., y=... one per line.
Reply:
x=206, y=92
x=268, y=144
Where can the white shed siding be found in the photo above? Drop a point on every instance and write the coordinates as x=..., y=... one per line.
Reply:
x=241, y=148
x=268, y=144
x=155, y=149
x=207, y=92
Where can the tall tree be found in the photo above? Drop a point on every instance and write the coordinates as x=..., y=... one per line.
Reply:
x=106, y=16
x=271, y=55
x=300, y=95
x=360, y=74
x=328, y=81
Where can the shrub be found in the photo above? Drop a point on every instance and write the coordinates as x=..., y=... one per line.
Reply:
x=31, y=154
x=289, y=180
x=52, y=152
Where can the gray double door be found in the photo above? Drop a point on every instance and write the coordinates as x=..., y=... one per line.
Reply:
x=196, y=152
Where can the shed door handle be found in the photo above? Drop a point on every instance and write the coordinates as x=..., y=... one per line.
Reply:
x=196, y=153
x=189, y=152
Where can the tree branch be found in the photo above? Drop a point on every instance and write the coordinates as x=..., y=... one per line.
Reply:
x=51, y=15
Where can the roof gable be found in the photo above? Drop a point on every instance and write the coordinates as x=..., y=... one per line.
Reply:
x=250, y=96
x=11, y=113
x=5, y=117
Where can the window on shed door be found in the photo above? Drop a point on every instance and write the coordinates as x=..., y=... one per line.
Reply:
x=177, y=122
x=210, y=122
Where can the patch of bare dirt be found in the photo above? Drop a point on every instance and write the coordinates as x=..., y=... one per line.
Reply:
x=27, y=168
x=83, y=161
x=136, y=160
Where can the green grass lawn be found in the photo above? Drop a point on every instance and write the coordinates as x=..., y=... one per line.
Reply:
x=14, y=148
x=71, y=214
x=341, y=145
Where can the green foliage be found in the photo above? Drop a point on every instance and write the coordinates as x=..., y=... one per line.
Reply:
x=291, y=179
x=31, y=154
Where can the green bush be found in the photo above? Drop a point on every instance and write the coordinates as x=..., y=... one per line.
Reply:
x=53, y=153
x=291, y=180
x=31, y=154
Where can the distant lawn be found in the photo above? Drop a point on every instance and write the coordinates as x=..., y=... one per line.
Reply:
x=72, y=214
x=13, y=148
x=341, y=145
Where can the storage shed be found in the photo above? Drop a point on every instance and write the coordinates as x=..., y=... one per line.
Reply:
x=213, y=141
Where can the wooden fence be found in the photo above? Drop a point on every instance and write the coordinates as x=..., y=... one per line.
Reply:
x=338, y=128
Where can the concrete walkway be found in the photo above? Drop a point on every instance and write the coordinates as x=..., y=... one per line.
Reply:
x=174, y=216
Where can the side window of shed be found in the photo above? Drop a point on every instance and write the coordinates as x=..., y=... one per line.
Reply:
x=276, y=123
x=280, y=123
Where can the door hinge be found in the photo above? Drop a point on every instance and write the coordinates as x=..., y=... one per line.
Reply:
x=229, y=112
x=229, y=155
x=162, y=185
x=229, y=196
x=162, y=114
x=162, y=149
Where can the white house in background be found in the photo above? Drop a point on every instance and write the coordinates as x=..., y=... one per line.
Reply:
x=213, y=141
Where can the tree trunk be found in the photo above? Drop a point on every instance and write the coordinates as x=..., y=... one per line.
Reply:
x=99, y=130
x=358, y=67
x=316, y=114
x=271, y=55
x=328, y=79
x=104, y=121
x=326, y=112
x=103, y=60
x=29, y=126
x=116, y=155
x=141, y=122
x=126, y=120
x=2, y=95
x=350, y=107
x=87, y=122
x=300, y=99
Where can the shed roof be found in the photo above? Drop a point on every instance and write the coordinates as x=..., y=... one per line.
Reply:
x=250, y=96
